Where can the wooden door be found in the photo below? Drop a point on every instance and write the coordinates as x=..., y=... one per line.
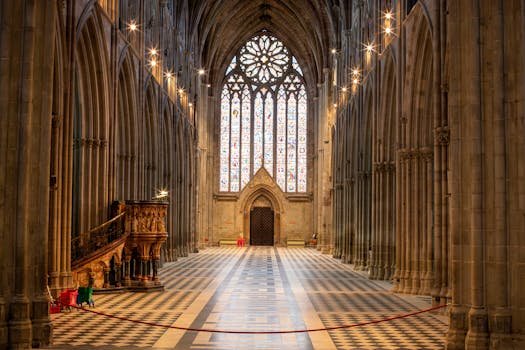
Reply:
x=261, y=226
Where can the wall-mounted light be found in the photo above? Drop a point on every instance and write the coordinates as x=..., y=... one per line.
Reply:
x=161, y=194
x=334, y=51
x=153, y=51
x=344, y=89
x=208, y=85
x=201, y=71
x=168, y=75
x=369, y=47
x=133, y=26
x=389, y=17
x=181, y=91
x=190, y=104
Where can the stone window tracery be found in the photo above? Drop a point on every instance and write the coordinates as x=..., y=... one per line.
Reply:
x=263, y=121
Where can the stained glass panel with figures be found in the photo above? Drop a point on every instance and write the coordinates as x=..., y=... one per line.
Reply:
x=263, y=117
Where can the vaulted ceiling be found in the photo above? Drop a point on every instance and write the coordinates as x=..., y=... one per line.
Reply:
x=307, y=27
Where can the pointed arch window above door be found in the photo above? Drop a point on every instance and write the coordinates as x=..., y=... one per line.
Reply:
x=263, y=117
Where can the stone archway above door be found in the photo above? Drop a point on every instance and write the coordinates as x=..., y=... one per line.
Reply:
x=262, y=191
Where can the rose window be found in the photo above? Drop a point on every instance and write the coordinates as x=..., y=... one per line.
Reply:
x=264, y=59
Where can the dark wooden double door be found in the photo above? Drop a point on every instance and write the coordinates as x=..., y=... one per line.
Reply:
x=261, y=226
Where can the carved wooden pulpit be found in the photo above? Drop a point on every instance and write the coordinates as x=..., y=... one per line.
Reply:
x=146, y=224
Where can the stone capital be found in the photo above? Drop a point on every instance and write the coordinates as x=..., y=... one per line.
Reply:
x=442, y=136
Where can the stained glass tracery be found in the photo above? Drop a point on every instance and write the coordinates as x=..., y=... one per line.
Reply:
x=263, y=117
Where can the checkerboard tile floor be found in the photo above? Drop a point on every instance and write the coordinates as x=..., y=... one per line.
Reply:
x=255, y=288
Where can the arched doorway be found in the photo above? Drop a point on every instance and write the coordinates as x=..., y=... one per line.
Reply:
x=262, y=219
x=261, y=226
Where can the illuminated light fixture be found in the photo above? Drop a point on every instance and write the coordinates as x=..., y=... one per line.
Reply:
x=168, y=75
x=335, y=105
x=355, y=72
x=334, y=51
x=209, y=85
x=388, y=15
x=201, y=71
x=153, y=63
x=190, y=104
x=355, y=81
x=132, y=26
x=344, y=89
x=388, y=30
x=369, y=47
x=153, y=51
x=181, y=91
x=161, y=194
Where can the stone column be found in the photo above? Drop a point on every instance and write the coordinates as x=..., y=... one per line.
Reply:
x=428, y=276
x=391, y=221
x=143, y=278
x=127, y=270
x=106, y=277
x=477, y=335
x=155, y=264
x=28, y=31
x=118, y=274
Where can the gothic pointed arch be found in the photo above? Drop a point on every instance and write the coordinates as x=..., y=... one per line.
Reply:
x=263, y=117
x=384, y=137
x=150, y=138
x=250, y=196
x=415, y=274
x=126, y=129
x=91, y=130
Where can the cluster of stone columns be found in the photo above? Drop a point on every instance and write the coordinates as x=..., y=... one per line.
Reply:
x=383, y=222
x=25, y=131
x=86, y=122
x=486, y=109
x=448, y=183
x=414, y=261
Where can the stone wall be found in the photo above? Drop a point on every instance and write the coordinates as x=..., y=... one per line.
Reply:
x=292, y=213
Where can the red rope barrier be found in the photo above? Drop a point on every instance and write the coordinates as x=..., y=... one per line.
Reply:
x=263, y=332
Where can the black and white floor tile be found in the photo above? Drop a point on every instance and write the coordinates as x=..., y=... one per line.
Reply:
x=255, y=289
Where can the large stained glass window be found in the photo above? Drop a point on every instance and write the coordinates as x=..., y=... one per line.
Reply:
x=263, y=120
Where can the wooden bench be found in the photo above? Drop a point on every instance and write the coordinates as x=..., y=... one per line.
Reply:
x=295, y=243
x=227, y=242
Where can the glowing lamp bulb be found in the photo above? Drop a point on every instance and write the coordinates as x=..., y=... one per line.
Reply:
x=355, y=81
x=132, y=26
x=335, y=105
x=388, y=15
x=153, y=51
x=161, y=194
x=344, y=89
x=355, y=72
x=388, y=30
x=369, y=48
x=181, y=91
x=153, y=63
x=209, y=85
x=334, y=51
x=168, y=75
x=201, y=71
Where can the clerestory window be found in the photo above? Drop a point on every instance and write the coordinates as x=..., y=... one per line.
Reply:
x=263, y=117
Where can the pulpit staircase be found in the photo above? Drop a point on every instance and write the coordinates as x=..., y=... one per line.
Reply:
x=124, y=252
